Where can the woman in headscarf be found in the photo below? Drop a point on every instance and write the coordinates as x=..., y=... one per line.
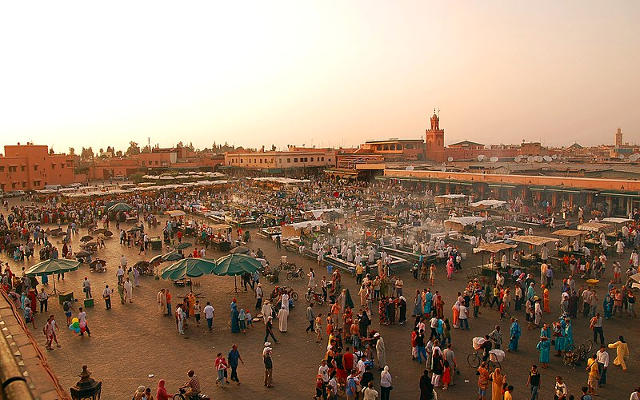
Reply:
x=235, y=324
x=385, y=383
x=456, y=313
x=622, y=351
x=161, y=393
x=380, y=351
x=417, y=304
x=283, y=315
x=499, y=380
x=138, y=395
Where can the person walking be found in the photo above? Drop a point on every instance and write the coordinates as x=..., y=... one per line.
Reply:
x=310, y=318
x=603, y=363
x=106, y=295
x=268, y=330
x=161, y=299
x=386, y=383
x=221, y=368
x=259, y=296
x=128, y=290
x=86, y=287
x=381, y=354
x=515, y=332
x=49, y=331
x=180, y=315
x=43, y=298
x=268, y=364
x=533, y=381
x=283, y=316
x=233, y=357
x=208, y=315
x=82, y=319
x=622, y=352
x=596, y=325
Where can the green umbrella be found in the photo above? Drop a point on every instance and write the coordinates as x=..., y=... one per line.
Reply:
x=53, y=266
x=183, y=245
x=236, y=264
x=188, y=267
x=120, y=207
x=173, y=256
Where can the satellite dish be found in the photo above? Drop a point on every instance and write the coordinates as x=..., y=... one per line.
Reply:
x=409, y=168
x=493, y=159
x=621, y=156
x=518, y=159
x=555, y=156
x=538, y=158
x=481, y=157
x=547, y=158
x=530, y=159
x=450, y=159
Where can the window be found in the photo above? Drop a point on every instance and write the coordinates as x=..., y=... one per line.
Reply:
x=13, y=169
x=36, y=183
x=35, y=167
x=295, y=159
x=311, y=159
x=13, y=185
x=24, y=184
x=53, y=166
x=22, y=168
x=288, y=160
x=1, y=168
x=322, y=159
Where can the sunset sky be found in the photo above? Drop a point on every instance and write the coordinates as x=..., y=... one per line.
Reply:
x=324, y=73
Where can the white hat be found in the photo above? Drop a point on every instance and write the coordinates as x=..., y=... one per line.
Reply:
x=376, y=334
x=267, y=344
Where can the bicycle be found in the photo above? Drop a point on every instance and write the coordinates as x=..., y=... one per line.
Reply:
x=475, y=359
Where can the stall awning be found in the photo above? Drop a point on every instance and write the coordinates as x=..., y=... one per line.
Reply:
x=494, y=247
x=594, y=227
x=568, y=232
x=534, y=240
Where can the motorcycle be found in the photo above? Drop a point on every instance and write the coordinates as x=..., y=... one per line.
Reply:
x=316, y=297
x=295, y=274
x=182, y=396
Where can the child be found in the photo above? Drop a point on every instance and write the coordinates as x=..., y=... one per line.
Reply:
x=446, y=375
x=196, y=312
x=28, y=315
x=242, y=316
x=502, y=311
x=248, y=319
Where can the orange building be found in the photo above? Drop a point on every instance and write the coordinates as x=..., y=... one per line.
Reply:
x=435, y=140
x=32, y=167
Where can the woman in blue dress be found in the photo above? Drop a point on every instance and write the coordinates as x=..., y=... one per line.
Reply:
x=543, y=347
x=607, y=306
x=235, y=322
x=417, y=304
x=568, y=335
x=558, y=334
x=427, y=302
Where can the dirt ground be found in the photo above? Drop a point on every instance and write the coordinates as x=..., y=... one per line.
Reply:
x=134, y=345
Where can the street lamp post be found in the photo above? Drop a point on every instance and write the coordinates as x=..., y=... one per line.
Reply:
x=86, y=388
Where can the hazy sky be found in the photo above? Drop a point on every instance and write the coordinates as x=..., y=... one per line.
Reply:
x=317, y=72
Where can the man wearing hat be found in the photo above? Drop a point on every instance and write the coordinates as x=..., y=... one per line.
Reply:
x=268, y=364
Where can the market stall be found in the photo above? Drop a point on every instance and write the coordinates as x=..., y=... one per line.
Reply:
x=534, y=258
x=495, y=263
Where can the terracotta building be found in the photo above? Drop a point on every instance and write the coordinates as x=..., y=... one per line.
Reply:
x=435, y=140
x=32, y=167
x=278, y=160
